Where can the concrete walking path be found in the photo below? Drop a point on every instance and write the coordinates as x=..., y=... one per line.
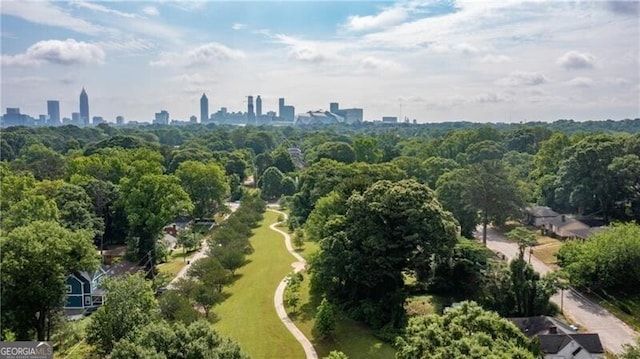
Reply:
x=278, y=302
x=613, y=332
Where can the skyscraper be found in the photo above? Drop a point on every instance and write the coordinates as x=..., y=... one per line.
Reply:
x=251, y=115
x=258, y=106
x=280, y=106
x=53, y=110
x=84, y=108
x=204, y=108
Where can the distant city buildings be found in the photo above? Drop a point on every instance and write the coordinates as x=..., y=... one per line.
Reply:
x=254, y=115
x=84, y=108
x=389, y=119
x=251, y=115
x=161, y=118
x=286, y=113
x=204, y=109
x=53, y=110
x=258, y=106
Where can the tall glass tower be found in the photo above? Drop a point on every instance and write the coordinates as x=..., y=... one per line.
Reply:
x=204, y=109
x=84, y=108
x=258, y=106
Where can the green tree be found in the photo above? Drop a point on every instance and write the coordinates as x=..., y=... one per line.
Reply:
x=35, y=261
x=231, y=256
x=452, y=190
x=434, y=167
x=173, y=341
x=206, y=185
x=149, y=203
x=391, y=228
x=492, y=194
x=188, y=240
x=334, y=354
x=467, y=331
x=175, y=307
x=270, y=183
x=130, y=305
x=366, y=150
x=338, y=151
x=298, y=238
x=608, y=260
x=42, y=161
x=282, y=160
x=586, y=178
x=325, y=319
x=524, y=237
x=31, y=208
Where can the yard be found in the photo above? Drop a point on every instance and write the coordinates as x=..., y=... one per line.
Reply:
x=248, y=315
x=175, y=262
x=546, y=250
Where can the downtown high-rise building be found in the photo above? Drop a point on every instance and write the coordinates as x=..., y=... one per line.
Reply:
x=258, y=106
x=84, y=108
x=53, y=110
x=251, y=115
x=204, y=109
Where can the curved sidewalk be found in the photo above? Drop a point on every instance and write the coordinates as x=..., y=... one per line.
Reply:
x=278, y=302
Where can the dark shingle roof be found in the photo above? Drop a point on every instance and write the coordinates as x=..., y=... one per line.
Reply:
x=553, y=343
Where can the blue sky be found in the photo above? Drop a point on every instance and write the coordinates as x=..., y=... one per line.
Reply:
x=434, y=61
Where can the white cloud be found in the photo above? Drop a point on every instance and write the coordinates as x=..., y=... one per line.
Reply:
x=68, y=52
x=387, y=17
x=491, y=97
x=580, y=82
x=306, y=50
x=238, y=26
x=102, y=8
x=203, y=55
x=377, y=64
x=521, y=78
x=574, y=60
x=151, y=10
x=496, y=59
x=45, y=13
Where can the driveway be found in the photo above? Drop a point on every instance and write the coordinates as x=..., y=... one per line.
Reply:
x=594, y=318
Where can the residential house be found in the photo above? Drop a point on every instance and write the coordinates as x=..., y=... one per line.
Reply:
x=537, y=216
x=84, y=291
x=563, y=226
x=578, y=346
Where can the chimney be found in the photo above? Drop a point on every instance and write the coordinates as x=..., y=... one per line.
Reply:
x=553, y=329
x=564, y=219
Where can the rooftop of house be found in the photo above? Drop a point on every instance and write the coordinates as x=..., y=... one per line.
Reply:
x=532, y=326
x=553, y=343
x=564, y=220
x=584, y=233
x=542, y=211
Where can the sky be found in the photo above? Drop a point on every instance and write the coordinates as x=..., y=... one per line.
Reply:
x=433, y=61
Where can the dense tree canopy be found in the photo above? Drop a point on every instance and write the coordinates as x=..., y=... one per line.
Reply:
x=467, y=331
x=608, y=260
x=206, y=185
x=391, y=228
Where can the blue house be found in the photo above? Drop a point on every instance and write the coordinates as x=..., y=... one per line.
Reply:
x=84, y=292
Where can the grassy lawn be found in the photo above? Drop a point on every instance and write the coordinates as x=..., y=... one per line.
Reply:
x=248, y=315
x=175, y=262
x=546, y=251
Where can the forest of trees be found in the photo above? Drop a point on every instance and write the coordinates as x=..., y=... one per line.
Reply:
x=383, y=202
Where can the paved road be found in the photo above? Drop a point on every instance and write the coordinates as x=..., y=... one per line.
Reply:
x=594, y=318
x=309, y=350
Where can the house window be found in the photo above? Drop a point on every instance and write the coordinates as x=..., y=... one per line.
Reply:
x=69, y=289
x=87, y=300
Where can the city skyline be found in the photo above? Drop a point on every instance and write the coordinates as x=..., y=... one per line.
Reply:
x=434, y=61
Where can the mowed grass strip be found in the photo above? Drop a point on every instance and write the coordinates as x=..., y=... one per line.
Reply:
x=248, y=315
